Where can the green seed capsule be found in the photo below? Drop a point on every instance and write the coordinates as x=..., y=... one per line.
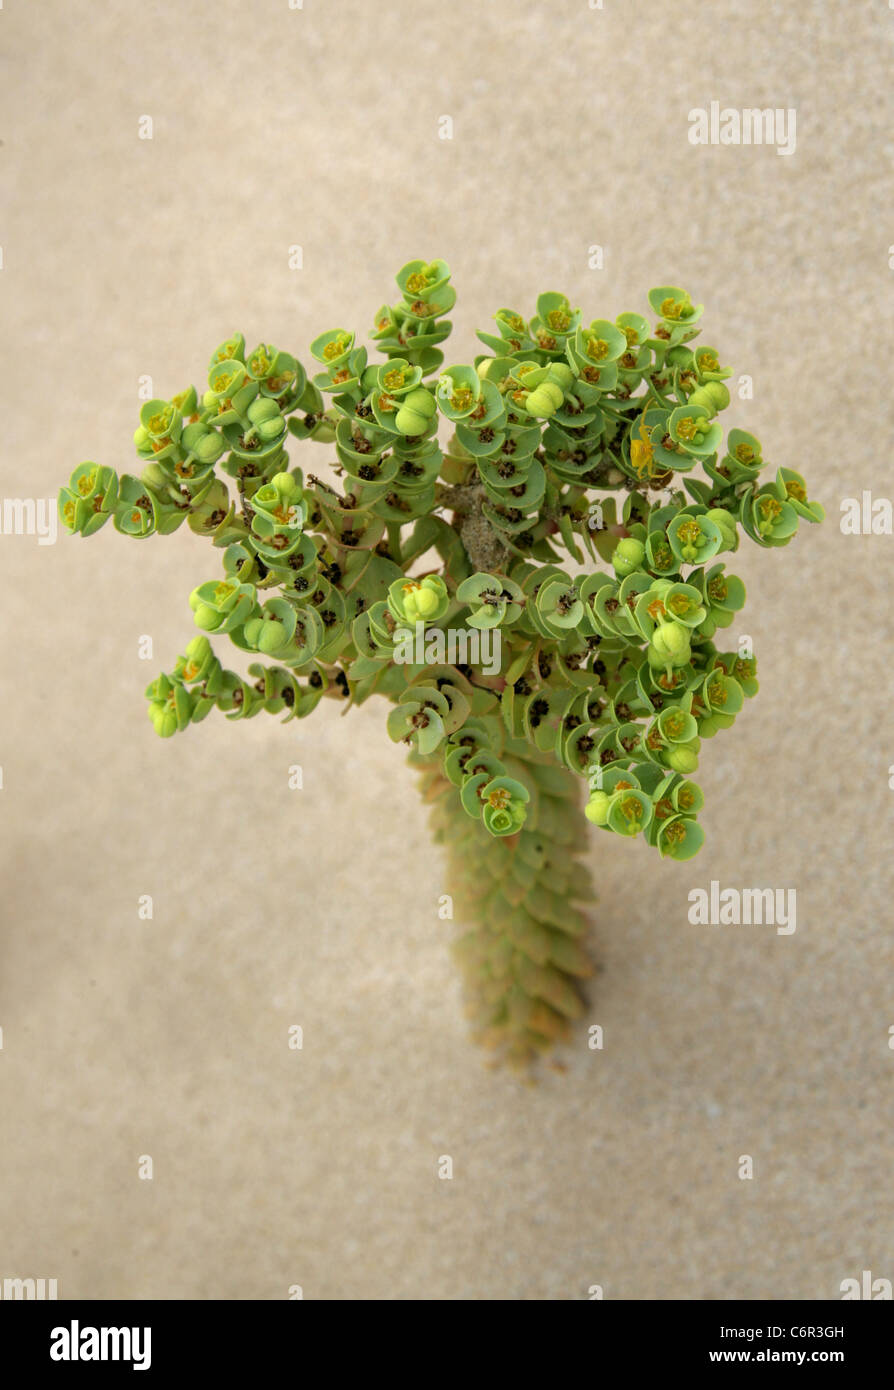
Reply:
x=628, y=556
x=682, y=758
x=271, y=429
x=271, y=637
x=541, y=403
x=596, y=809
x=426, y=602
x=713, y=396
x=209, y=448
x=409, y=421
x=164, y=720
x=207, y=617
x=561, y=374
x=263, y=409
x=718, y=393
x=421, y=400
x=670, y=643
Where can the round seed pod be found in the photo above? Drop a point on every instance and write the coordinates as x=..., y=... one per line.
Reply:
x=681, y=759
x=541, y=403
x=596, y=809
x=421, y=400
x=271, y=637
x=410, y=421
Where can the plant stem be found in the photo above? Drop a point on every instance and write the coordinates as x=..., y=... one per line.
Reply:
x=520, y=953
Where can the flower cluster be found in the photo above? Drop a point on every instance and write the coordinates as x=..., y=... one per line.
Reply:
x=583, y=512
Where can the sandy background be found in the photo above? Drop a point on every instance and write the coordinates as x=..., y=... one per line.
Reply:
x=121, y=257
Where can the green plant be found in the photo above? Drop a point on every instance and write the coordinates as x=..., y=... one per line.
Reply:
x=570, y=441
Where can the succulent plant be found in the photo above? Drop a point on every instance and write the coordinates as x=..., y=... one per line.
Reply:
x=570, y=527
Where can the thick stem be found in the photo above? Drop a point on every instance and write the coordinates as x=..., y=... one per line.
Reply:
x=520, y=953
